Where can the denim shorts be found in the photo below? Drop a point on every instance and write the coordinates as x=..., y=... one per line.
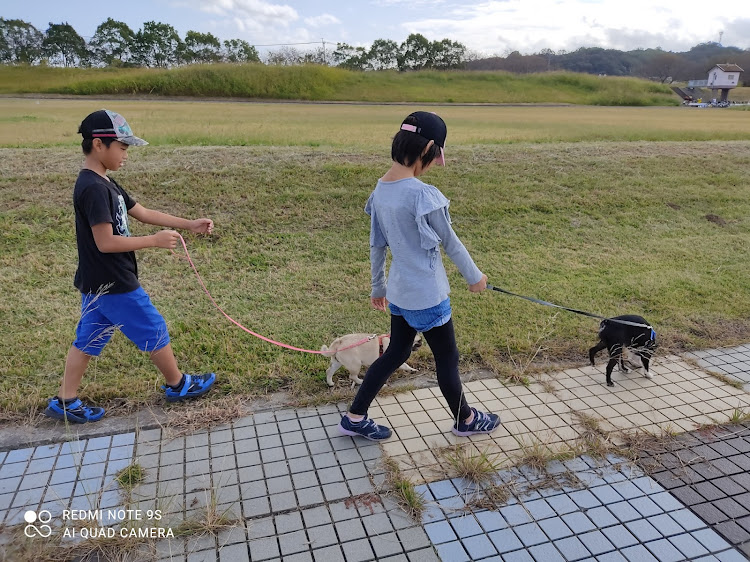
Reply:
x=134, y=315
x=423, y=320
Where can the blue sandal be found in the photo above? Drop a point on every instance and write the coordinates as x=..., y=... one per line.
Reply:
x=76, y=411
x=192, y=387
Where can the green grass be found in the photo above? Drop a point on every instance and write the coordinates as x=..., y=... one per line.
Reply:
x=609, y=227
x=54, y=122
x=312, y=82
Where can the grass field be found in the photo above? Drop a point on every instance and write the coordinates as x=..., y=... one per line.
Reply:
x=54, y=122
x=319, y=83
x=610, y=210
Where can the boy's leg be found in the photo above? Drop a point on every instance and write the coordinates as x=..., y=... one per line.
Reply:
x=142, y=323
x=75, y=367
x=166, y=362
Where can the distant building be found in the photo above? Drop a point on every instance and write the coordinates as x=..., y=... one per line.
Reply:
x=723, y=77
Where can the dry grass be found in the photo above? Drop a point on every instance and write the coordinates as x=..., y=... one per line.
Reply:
x=55, y=549
x=211, y=520
x=185, y=419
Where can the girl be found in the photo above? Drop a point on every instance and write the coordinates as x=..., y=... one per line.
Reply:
x=411, y=217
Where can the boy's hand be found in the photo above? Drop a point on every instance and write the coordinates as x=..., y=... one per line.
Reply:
x=379, y=303
x=202, y=226
x=166, y=239
x=479, y=286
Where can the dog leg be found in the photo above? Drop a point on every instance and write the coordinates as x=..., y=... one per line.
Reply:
x=610, y=368
x=596, y=349
x=615, y=356
x=354, y=377
x=646, y=372
x=406, y=367
x=331, y=370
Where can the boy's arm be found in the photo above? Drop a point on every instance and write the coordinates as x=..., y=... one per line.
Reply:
x=108, y=243
x=149, y=216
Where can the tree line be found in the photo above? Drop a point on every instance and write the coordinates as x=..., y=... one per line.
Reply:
x=158, y=44
x=654, y=64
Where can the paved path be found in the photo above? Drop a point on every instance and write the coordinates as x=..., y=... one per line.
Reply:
x=297, y=490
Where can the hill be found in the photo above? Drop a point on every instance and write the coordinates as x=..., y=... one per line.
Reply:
x=322, y=83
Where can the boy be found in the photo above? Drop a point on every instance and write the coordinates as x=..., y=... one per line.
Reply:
x=107, y=273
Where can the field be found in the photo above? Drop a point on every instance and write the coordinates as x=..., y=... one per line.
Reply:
x=609, y=210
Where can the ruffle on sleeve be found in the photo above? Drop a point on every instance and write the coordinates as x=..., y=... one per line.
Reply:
x=377, y=239
x=430, y=199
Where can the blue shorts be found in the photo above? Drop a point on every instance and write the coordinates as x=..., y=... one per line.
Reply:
x=423, y=320
x=133, y=313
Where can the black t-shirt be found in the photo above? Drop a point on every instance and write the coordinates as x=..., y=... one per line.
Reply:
x=97, y=201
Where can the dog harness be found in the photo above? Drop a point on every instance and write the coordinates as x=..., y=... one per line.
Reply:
x=380, y=344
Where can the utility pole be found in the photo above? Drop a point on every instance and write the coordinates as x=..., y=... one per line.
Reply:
x=324, y=50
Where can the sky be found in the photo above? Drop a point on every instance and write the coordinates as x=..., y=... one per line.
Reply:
x=488, y=27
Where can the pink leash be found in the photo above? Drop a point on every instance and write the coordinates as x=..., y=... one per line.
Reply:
x=233, y=321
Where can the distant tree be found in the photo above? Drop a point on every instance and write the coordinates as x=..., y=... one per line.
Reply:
x=111, y=43
x=237, y=50
x=316, y=56
x=549, y=56
x=447, y=54
x=383, y=55
x=286, y=56
x=157, y=44
x=662, y=67
x=20, y=42
x=63, y=45
x=201, y=48
x=353, y=58
x=416, y=53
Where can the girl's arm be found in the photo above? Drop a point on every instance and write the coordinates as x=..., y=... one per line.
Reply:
x=149, y=216
x=455, y=249
x=377, y=268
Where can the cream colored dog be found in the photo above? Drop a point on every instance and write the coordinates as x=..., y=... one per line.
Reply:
x=345, y=353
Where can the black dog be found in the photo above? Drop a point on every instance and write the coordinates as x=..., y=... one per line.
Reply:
x=632, y=332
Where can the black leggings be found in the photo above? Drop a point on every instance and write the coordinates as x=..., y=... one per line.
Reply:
x=442, y=342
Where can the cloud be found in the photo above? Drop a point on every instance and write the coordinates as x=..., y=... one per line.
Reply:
x=322, y=20
x=495, y=26
x=251, y=13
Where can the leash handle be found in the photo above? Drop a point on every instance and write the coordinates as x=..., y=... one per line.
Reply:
x=574, y=310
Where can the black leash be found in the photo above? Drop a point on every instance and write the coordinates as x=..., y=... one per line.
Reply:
x=589, y=314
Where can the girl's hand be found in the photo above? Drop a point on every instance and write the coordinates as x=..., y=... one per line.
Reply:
x=379, y=303
x=479, y=286
x=202, y=226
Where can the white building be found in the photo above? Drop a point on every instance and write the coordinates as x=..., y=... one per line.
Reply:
x=723, y=77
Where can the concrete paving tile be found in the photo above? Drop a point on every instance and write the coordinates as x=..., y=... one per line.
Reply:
x=572, y=548
x=505, y=540
x=555, y=528
x=479, y=547
x=386, y=545
x=711, y=540
x=491, y=520
x=453, y=551
x=530, y=534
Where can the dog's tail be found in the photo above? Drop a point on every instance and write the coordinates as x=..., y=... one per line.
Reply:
x=327, y=352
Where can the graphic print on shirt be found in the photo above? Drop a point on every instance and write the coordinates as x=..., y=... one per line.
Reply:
x=122, y=217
